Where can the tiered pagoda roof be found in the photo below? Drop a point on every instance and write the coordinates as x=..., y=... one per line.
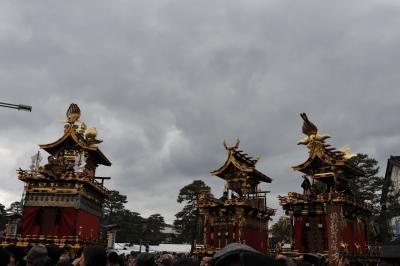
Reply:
x=74, y=137
x=239, y=161
x=325, y=163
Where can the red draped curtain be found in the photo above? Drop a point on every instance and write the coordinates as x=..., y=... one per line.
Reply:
x=87, y=225
x=30, y=225
x=66, y=226
x=48, y=221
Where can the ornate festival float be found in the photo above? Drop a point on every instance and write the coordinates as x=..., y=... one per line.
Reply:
x=241, y=215
x=62, y=203
x=331, y=222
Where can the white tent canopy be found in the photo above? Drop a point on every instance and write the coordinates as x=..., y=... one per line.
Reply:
x=125, y=248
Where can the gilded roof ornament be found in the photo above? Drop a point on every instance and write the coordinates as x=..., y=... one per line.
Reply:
x=308, y=127
x=311, y=131
x=345, y=151
x=73, y=113
x=237, y=143
x=85, y=138
x=91, y=134
x=242, y=162
x=82, y=128
x=332, y=162
x=233, y=147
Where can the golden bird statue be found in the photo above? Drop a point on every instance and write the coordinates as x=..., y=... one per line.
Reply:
x=73, y=113
x=308, y=127
x=311, y=131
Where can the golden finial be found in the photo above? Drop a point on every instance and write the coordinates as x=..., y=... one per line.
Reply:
x=73, y=113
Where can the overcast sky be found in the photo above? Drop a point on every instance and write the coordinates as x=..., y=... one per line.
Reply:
x=166, y=81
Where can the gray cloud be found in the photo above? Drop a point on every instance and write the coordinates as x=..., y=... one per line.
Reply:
x=166, y=81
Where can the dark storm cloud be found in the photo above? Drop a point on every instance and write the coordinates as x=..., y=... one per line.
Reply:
x=165, y=82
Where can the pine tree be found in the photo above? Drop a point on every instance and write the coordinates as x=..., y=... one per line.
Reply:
x=154, y=224
x=377, y=191
x=15, y=209
x=131, y=227
x=188, y=218
x=3, y=216
x=114, y=206
x=282, y=229
x=369, y=186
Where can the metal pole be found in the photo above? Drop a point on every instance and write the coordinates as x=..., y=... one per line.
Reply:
x=21, y=107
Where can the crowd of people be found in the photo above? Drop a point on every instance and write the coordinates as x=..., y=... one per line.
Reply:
x=234, y=254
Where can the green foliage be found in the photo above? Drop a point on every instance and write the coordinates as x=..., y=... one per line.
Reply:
x=133, y=228
x=188, y=218
x=282, y=229
x=3, y=216
x=154, y=224
x=368, y=187
x=376, y=191
x=15, y=209
x=114, y=206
